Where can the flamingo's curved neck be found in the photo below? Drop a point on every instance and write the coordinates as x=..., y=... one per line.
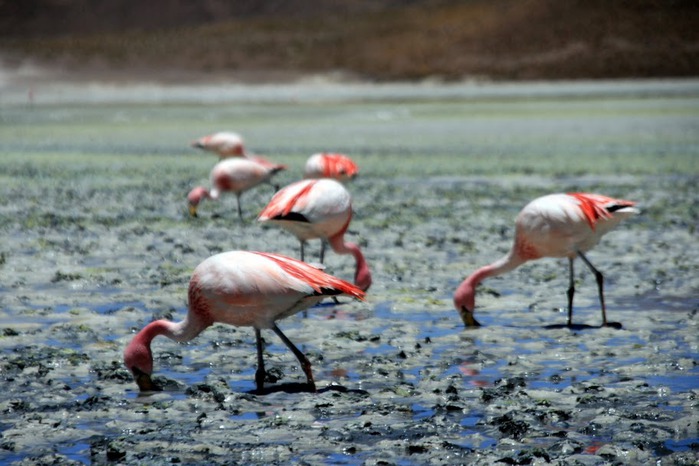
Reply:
x=501, y=266
x=362, y=275
x=465, y=295
x=180, y=332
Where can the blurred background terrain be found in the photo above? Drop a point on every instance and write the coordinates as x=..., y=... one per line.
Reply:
x=377, y=40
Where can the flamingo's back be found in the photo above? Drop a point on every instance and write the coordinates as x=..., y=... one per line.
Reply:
x=237, y=175
x=561, y=225
x=225, y=144
x=330, y=165
x=245, y=288
x=316, y=208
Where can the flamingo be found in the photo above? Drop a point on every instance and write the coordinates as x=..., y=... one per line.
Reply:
x=240, y=288
x=235, y=175
x=327, y=165
x=556, y=225
x=224, y=143
x=318, y=208
x=227, y=144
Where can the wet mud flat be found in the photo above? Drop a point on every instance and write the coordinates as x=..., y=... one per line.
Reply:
x=96, y=243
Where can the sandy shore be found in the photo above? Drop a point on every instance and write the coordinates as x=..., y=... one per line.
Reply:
x=96, y=243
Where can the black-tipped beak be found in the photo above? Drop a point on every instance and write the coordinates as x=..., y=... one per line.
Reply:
x=193, y=211
x=467, y=317
x=144, y=381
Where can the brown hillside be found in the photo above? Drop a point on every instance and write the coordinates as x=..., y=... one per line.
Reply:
x=381, y=40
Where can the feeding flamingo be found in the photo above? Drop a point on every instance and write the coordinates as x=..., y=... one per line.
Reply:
x=557, y=225
x=322, y=209
x=233, y=175
x=224, y=143
x=240, y=288
x=227, y=144
x=327, y=165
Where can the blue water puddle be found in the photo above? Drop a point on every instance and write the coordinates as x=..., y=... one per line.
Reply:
x=689, y=444
x=420, y=412
x=249, y=416
x=677, y=383
x=469, y=423
x=472, y=436
x=428, y=320
x=655, y=301
x=380, y=349
x=63, y=309
x=112, y=307
x=76, y=451
x=354, y=458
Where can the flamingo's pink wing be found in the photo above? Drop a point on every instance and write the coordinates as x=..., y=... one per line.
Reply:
x=338, y=164
x=287, y=199
x=596, y=206
x=320, y=281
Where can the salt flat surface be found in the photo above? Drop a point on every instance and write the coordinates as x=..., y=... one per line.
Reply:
x=96, y=242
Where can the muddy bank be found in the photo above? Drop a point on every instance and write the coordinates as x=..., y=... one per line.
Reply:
x=96, y=246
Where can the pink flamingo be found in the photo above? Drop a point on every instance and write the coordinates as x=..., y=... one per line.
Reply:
x=225, y=144
x=327, y=165
x=240, y=288
x=235, y=175
x=557, y=225
x=318, y=209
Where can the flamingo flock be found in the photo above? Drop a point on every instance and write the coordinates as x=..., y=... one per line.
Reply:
x=256, y=289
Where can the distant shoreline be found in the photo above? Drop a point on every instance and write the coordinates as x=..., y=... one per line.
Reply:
x=38, y=85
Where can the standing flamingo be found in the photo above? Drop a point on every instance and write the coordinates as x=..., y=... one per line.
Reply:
x=327, y=165
x=318, y=209
x=240, y=288
x=557, y=225
x=234, y=175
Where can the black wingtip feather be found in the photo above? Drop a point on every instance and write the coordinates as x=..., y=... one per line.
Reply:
x=293, y=217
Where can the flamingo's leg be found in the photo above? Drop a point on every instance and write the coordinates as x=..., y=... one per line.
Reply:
x=303, y=360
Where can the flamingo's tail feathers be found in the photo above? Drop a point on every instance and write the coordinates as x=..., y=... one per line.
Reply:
x=321, y=282
x=622, y=206
x=292, y=216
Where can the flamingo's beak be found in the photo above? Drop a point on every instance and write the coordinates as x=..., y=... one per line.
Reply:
x=467, y=317
x=193, y=210
x=144, y=381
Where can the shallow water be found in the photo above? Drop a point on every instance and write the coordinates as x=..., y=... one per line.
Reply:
x=97, y=243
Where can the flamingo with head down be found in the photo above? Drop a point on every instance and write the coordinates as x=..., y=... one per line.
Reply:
x=329, y=165
x=322, y=209
x=235, y=175
x=557, y=225
x=240, y=288
x=224, y=143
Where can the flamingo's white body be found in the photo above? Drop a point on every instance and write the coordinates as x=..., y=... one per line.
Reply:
x=329, y=165
x=240, y=288
x=235, y=175
x=557, y=225
x=318, y=208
